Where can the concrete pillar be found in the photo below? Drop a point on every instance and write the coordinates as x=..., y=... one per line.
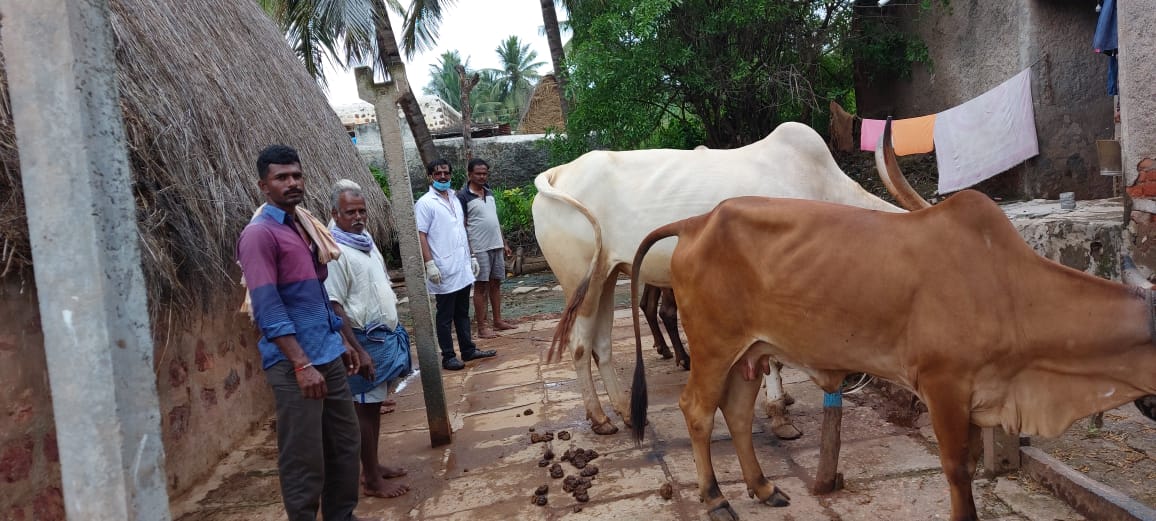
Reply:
x=384, y=100
x=1137, y=84
x=82, y=227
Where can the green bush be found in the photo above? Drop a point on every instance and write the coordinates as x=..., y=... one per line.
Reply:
x=514, y=212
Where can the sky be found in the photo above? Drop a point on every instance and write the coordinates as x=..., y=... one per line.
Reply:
x=472, y=27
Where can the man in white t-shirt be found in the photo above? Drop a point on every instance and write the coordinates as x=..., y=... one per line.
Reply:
x=449, y=267
x=360, y=293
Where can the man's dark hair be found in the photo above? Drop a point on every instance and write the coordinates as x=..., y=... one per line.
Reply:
x=435, y=163
x=275, y=154
x=475, y=162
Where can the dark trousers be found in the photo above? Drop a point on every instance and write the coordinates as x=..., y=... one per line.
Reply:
x=317, y=444
x=453, y=313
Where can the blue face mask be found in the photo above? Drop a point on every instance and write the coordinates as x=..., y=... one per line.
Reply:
x=441, y=186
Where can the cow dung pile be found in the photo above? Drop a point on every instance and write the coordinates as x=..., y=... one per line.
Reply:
x=578, y=485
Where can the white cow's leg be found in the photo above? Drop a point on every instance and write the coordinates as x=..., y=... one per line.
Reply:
x=585, y=341
x=776, y=407
x=604, y=352
x=738, y=407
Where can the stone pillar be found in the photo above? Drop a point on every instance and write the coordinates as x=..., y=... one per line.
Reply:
x=384, y=100
x=1137, y=79
x=1137, y=84
x=82, y=226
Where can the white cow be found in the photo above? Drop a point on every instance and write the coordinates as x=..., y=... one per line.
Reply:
x=591, y=214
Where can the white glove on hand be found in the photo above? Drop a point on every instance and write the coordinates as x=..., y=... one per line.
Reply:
x=432, y=272
x=474, y=266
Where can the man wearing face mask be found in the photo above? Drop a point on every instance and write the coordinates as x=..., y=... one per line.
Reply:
x=450, y=269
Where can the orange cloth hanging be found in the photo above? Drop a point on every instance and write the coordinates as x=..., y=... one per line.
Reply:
x=913, y=135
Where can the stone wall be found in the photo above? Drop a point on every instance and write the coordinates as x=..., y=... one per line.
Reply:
x=211, y=390
x=514, y=160
x=976, y=45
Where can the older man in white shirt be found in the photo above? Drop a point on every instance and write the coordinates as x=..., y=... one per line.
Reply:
x=360, y=293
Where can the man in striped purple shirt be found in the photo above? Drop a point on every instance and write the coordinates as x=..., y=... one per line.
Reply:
x=304, y=356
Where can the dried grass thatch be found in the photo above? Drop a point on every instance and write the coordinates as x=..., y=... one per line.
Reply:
x=204, y=86
x=544, y=110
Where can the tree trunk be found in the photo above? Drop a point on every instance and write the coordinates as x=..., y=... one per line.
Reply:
x=467, y=85
x=389, y=59
x=557, y=55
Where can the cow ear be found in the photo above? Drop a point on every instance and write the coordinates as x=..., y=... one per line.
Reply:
x=1132, y=276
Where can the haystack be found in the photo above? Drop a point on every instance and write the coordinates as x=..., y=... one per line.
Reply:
x=544, y=110
x=204, y=86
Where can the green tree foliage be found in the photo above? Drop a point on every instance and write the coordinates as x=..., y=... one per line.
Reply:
x=665, y=73
x=501, y=94
x=443, y=79
x=679, y=73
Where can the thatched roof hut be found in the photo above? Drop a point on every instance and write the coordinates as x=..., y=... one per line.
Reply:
x=204, y=86
x=544, y=110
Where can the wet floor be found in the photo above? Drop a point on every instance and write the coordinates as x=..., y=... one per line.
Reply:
x=491, y=469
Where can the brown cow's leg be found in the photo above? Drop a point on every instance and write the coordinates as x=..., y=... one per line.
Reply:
x=738, y=409
x=668, y=311
x=648, y=303
x=951, y=419
x=700, y=398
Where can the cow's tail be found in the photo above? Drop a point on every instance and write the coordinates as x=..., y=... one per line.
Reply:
x=887, y=164
x=598, y=266
x=638, y=395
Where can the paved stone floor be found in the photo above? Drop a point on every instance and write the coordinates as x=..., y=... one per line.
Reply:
x=491, y=469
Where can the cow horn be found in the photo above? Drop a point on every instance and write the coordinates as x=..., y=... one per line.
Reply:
x=1132, y=275
x=887, y=165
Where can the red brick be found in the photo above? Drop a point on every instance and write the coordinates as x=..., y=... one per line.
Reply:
x=209, y=396
x=178, y=372
x=204, y=357
x=49, y=505
x=1146, y=176
x=16, y=459
x=51, y=451
x=179, y=421
x=15, y=514
x=232, y=383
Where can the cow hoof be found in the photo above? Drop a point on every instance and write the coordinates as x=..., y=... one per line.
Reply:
x=1147, y=406
x=685, y=365
x=723, y=512
x=664, y=352
x=788, y=400
x=786, y=431
x=605, y=428
x=778, y=499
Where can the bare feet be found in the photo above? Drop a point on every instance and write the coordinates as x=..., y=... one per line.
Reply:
x=391, y=472
x=502, y=325
x=386, y=489
x=487, y=333
x=388, y=405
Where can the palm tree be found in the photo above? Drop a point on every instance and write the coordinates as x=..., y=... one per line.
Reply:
x=518, y=73
x=313, y=28
x=557, y=55
x=443, y=81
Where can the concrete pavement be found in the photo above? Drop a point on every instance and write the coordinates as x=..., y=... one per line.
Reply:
x=491, y=470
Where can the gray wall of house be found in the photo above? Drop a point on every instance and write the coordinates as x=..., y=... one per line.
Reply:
x=975, y=45
x=514, y=160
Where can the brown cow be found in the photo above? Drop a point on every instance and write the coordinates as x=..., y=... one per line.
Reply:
x=947, y=301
